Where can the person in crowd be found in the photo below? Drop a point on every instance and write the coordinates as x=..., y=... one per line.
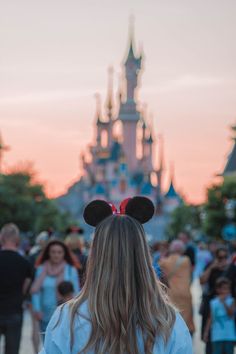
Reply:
x=66, y=291
x=213, y=247
x=221, y=319
x=54, y=265
x=177, y=271
x=203, y=258
x=40, y=243
x=75, y=243
x=122, y=307
x=189, y=248
x=219, y=267
x=15, y=279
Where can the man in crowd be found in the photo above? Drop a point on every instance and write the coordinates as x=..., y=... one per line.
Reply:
x=15, y=279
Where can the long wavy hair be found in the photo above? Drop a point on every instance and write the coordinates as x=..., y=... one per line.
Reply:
x=69, y=257
x=122, y=291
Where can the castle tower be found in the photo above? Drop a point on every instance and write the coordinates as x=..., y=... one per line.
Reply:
x=144, y=127
x=102, y=132
x=128, y=114
x=147, y=145
x=148, y=153
x=109, y=106
x=98, y=120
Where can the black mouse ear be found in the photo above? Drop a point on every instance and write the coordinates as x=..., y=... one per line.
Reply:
x=96, y=211
x=140, y=208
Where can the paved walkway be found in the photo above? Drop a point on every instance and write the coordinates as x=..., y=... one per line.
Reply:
x=26, y=345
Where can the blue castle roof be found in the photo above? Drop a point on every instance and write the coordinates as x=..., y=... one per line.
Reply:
x=99, y=189
x=146, y=188
x=171, y=193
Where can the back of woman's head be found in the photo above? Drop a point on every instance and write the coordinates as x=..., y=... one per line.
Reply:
x=124, y=297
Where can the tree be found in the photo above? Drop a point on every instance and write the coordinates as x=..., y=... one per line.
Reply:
x=183, y=218
x=24, y=202
x=215, y=211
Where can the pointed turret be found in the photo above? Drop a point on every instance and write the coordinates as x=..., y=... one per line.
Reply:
x=161, y=153
x=128, y=112
x=143, y=126
x=172, y=199
x=131, y=58
x=109, y=107
x=132, y=65
x=159, y=174
x=109, y=101
x=98, y=114
x=171, y=193
x=149, y=140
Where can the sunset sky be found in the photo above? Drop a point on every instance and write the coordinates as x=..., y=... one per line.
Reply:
x=55, y=55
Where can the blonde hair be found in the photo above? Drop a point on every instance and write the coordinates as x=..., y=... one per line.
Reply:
x=122, y=291
x=73, y=241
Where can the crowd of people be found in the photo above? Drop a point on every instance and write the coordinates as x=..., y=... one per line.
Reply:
x=117, y=278
x=50, y=273
x=214, y=266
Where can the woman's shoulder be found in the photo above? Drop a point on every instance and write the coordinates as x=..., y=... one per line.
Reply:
x=58, y=333
x=180, y=340
x=62, y=316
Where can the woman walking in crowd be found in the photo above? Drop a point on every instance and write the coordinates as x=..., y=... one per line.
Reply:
x=177, y=270
x=55, y=264
x=122, y=307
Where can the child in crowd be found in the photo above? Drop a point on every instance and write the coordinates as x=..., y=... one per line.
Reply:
x=221, y=319
x=66, y=291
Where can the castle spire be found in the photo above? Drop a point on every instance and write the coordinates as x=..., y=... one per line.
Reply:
x=131, y=57
x=150, y=139
x=131, y=39
x=161, y=159
x=171, y=193
x=98, y=108
x=159, y=172
x=109, y=102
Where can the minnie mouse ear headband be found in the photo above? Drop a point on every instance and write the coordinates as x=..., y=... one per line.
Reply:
x=139, y=208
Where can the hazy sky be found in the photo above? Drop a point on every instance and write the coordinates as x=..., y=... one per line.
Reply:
x=55, y=55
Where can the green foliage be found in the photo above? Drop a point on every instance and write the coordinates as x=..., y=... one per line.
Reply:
x=23, y=202
x=183, y=218
x=215, y=215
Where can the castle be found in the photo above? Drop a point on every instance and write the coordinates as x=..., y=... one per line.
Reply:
x=120, y=162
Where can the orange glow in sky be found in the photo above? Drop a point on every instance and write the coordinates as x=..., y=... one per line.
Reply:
x=55, y=57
